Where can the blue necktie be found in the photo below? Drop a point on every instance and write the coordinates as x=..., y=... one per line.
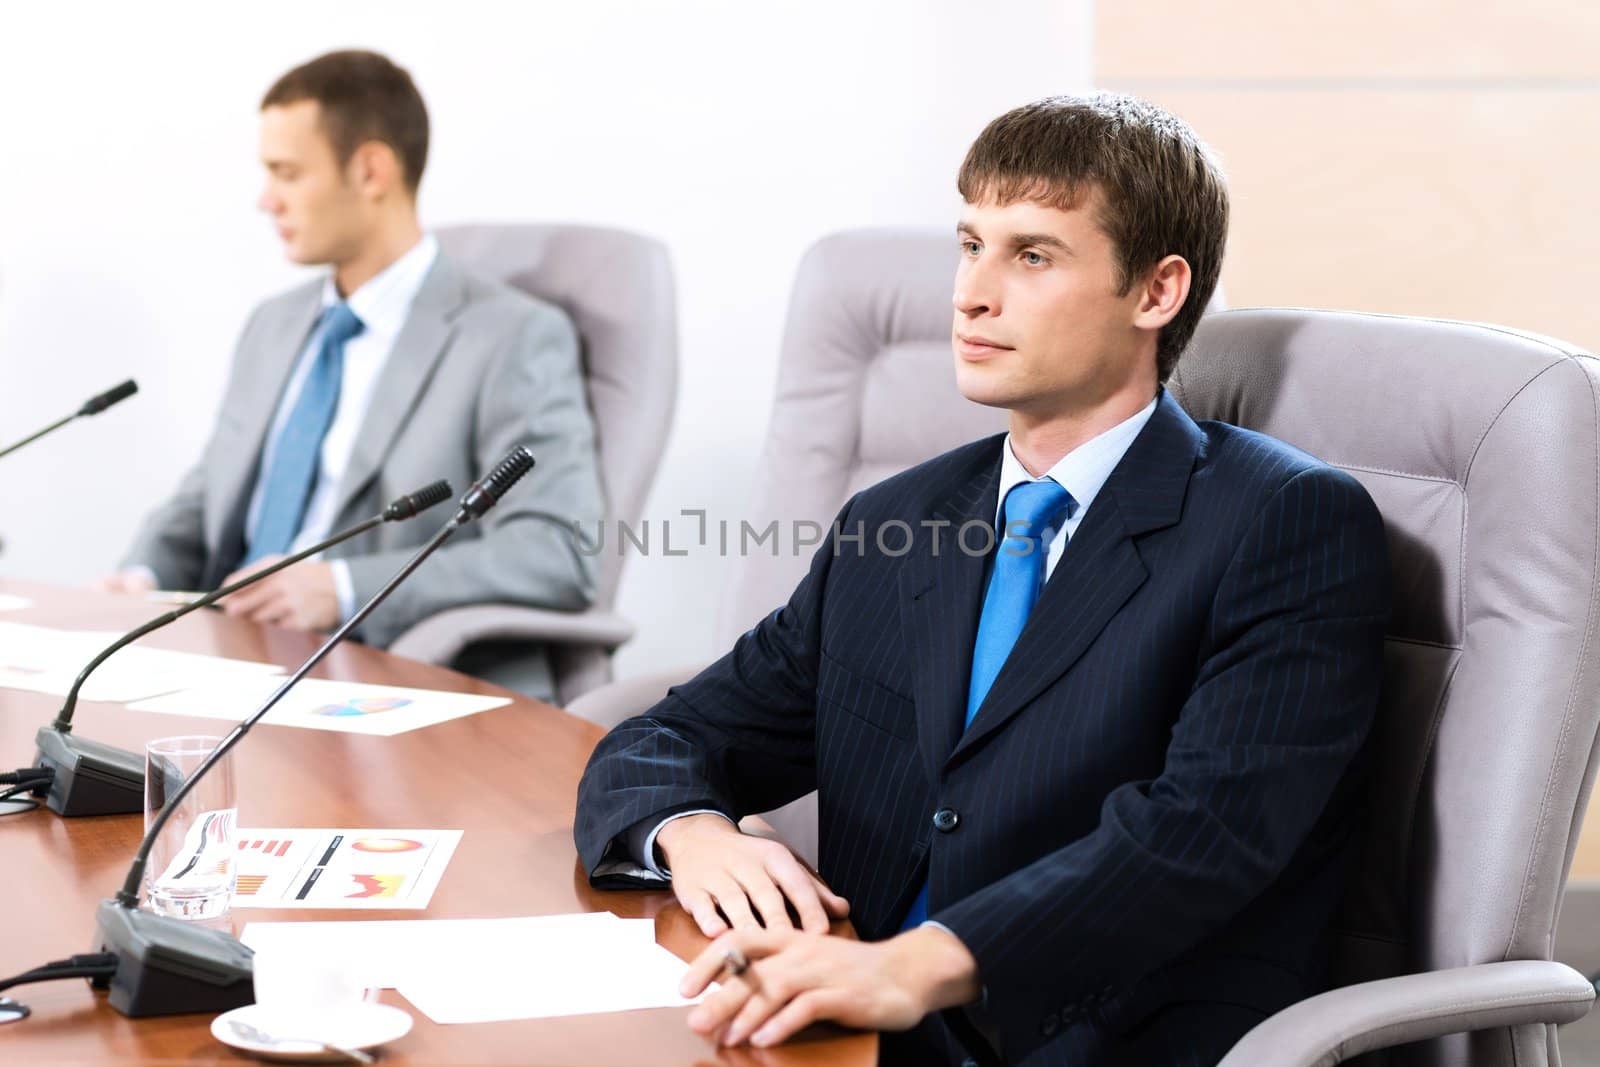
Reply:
x=1032, y=510
x=287, y=489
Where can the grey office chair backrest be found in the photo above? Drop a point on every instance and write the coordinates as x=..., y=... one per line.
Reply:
x=617, y=287
x=866, y=388
x=1479, y=445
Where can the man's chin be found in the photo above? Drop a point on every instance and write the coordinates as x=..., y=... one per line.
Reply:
x=980, y=390
x=302, y=256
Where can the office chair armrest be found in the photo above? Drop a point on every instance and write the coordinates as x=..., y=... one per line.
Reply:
x=440, y=638
x=1334, y=1026
x=611, y=703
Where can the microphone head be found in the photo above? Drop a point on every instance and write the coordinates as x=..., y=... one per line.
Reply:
x=413, y=504
x=486, y=492
x=115, y=395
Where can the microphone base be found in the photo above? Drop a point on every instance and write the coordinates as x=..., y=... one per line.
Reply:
x=91, y=777
x=171, y=966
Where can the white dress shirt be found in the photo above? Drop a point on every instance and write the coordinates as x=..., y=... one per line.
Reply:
x=1081, y=472
x=383, y=305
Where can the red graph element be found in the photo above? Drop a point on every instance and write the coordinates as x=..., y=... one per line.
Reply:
x=376, y=885
x=267, y=848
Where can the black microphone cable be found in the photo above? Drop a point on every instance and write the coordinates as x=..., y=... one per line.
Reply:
x=93, y=966
x=24, y=780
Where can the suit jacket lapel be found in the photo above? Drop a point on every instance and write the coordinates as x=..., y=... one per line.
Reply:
x=265, y=370
x=941, y=595
x=417, y=350
x=1099, y=569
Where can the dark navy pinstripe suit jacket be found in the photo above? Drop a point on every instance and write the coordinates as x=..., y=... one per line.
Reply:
x=1156, y=803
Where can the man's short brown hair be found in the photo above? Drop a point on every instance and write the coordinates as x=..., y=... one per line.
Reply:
x=363, y=97
x=1161, y=191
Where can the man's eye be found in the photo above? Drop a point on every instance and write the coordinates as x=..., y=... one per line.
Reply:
x=969, y=247
x=1033, y=259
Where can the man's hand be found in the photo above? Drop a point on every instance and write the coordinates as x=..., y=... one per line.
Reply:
x=805, y=978
x=131, y=581
x=303, y=597
x=715, y=866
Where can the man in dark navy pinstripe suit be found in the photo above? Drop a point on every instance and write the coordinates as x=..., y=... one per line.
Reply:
x=1088, y=791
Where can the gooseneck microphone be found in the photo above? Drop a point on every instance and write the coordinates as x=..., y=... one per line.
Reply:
x=93, y=406
x=486, y=492
x=84, y=777
x=167, y=966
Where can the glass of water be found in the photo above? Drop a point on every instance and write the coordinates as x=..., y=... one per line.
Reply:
x=191, y=870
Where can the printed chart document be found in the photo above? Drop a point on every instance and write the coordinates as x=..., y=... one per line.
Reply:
x=367, y=869
x=491, y=970
x=318, y=704
x=46, y=660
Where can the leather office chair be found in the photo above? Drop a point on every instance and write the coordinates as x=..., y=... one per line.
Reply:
x=618, y=289
x=1481, y=446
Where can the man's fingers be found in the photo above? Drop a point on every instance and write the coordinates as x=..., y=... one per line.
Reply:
x=730, y=897
x=799, y=1013
x=802, y=891
x=836, y=906
x=757, y=1009
x=247, y=599
x=768, y=900
x=698, y=903
x=713, y=1013
x=269, y=607
x=707, y=966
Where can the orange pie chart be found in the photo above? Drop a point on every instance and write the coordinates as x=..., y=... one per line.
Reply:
x=386, y=844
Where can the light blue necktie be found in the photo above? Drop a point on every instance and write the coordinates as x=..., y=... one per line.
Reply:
x=295, y=459
x=1032, y=509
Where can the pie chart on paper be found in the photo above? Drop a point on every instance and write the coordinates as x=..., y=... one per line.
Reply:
x=386, y=844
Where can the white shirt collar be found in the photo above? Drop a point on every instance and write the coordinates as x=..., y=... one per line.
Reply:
x=383, y=303
x=1080, y=472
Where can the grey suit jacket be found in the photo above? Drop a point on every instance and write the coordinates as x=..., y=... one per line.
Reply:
x=477, y=369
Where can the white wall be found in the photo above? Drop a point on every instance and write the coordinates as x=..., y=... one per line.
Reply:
x=738, y=132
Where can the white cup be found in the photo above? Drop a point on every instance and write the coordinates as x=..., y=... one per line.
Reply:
x=294, y=989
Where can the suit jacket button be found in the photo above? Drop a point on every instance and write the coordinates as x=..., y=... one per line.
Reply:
x=945, y=820
x=1051, y=1024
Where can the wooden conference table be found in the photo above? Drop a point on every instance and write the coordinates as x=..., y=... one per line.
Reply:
x=507, y=777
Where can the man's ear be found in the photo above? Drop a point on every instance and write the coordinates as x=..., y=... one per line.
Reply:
x=1162, y=293
x=375, y=170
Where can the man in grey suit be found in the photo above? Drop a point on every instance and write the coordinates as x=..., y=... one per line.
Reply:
x=396, y=369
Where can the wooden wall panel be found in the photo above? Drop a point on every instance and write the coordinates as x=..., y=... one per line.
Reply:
x=1234, y=40
x=1470, y=205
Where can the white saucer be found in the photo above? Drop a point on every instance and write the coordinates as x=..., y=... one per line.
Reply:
x=362, y=1026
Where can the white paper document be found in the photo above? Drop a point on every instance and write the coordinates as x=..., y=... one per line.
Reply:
x=46, y=660
x=361, y=869
x=10, y=602
x=318, y=704
x=491, y=970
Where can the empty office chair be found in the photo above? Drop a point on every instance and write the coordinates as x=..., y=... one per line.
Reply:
x=617, y=287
